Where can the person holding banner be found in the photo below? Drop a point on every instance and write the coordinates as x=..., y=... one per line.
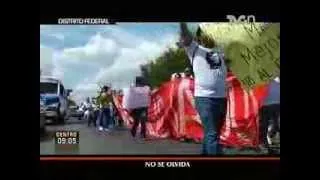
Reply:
x=270, y=115
x=175, y=76
x=188, y=73
x=118, y=114
x=210, y=73
x=114, y=111
x=136, y=101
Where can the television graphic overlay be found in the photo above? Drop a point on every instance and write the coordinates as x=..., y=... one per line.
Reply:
x=67, y=141
x=88, y=86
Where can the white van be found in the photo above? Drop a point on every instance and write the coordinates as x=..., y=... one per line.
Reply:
x=55, y=98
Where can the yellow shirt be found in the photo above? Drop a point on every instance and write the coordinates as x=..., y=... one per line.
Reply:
x=105, y=99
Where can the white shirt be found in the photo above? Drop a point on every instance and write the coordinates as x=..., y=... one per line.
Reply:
x=273, y=96
x=209, y=82
x=87, y=105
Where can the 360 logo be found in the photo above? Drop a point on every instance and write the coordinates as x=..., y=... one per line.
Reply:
x=242, y=18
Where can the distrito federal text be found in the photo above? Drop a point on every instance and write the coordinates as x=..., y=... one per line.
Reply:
x=83, y=21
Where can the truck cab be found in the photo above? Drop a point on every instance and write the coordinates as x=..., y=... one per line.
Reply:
x=55, y=98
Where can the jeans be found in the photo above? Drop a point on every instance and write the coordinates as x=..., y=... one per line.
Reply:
x=140, y=115
x=95, y=117
x=112, y=119
x=104, y=118
x=269, y=115
x=98, y=118
x=212, y=113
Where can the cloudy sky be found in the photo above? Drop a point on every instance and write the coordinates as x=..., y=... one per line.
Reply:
x=84, y=56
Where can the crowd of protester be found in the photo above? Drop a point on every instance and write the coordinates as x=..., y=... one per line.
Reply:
x=209, y=70
x=101, y=112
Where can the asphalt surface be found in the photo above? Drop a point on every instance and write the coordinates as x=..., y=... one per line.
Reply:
x=117, y=141
x=120, y=142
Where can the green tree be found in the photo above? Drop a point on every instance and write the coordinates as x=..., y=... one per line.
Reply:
x=160, y=69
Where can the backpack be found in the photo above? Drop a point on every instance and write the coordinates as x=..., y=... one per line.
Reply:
x=215, y=53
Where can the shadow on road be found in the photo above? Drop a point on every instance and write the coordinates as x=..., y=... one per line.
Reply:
x=70, y=121
x=76, y=121
x=121, y=129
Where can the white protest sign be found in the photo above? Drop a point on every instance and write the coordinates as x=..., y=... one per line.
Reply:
x=136, y=97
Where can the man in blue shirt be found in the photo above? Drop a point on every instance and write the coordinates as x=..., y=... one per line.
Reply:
x=270, y=115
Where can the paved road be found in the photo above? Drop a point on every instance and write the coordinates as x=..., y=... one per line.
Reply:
x=120, y=142
x=116, y=142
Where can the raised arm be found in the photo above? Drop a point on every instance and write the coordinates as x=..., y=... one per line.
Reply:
x=185, y=35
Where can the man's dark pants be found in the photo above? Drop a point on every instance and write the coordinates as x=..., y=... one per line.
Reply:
x=212, y=114
x=140, y=115
x=269, y=115
x=93, y=118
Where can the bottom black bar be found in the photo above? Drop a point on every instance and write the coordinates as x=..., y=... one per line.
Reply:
x=104, y=169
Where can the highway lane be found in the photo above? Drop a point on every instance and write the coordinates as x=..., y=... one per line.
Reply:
x=119, y=142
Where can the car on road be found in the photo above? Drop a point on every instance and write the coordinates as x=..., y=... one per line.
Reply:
x=42, y=118
x=55, y=98
x=75, y=111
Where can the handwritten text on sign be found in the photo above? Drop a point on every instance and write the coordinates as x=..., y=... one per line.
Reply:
x=252, y=48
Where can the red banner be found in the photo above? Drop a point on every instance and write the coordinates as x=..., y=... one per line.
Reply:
x=172, y=113
x=241, y=126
